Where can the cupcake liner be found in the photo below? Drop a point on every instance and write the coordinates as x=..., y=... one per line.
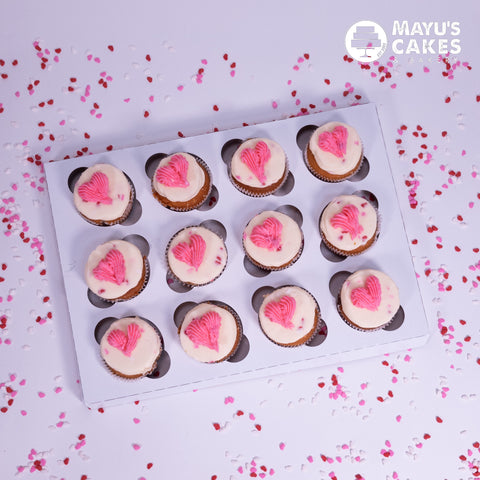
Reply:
x=172, y=273
x=202, y=197
x=356, y=327
x=312, y=333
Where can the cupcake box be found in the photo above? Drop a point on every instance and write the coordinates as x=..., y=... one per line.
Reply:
x=240, y=287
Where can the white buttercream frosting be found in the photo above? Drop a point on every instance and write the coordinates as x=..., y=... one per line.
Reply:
x=274, y=168
x=119, y=191
x=387, y=307
x=328, y=161
x=133, y=262
x=290, y=240
x=302, y=321
x=212, y=263
x=228, y=333
x=142, y=358
x=350, y=238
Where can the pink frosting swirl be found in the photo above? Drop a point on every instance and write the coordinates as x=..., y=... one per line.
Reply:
x=347, y=221
x=334, y=142
x=369, y=296
x=281, y=312
x=111, y=268
x=96, y=189
x=256, y=158
x=191, y=253
x=268, y=235
x=174, y=173
x=205, y=330
x=125, y=343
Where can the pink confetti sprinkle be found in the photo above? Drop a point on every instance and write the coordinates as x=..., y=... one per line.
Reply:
x=310, y=459
x=180, y=88
x=274, y=104
x=136, y=446
x=136, y=420
x=41, y=394
x=398, y=418
x=23, y=412
x=426, y=69
x=58, y=390
x=228, y=400
x=281, y=446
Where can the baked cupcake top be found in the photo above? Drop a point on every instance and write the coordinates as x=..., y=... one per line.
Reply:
x=209, y=333
x=272, y=239
x=114, y=268
x=369, y=299
x=258, y=163
x=336, y=148
x=288, y=314
x=130, y=347
x=196, y=255
x=348, y=222
x=102, y=192
x=178, y=177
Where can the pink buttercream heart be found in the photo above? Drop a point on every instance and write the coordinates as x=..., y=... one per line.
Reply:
x=268, y=235
x=96, y=189
x=334, y=141
x=347, y=221
x=174, y=173
x=125, y=343
x=111, y=268
x=191, y=253
x=281, y=312
x=205, y=330
x=368, y=297
x=256, y=158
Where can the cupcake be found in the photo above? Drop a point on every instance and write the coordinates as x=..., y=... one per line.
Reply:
x=368, y=300
x=131, y=347
x=196, y=256
x=116, y=271
x=210, y=332
x=103, y=195
x=334, y=152
x=258, y=167
x=289, y=316
x=181, y=182
x=349, y=225
x=272, y=240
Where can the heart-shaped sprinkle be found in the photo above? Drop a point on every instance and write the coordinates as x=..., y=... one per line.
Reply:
x=111, y=268
x=191, y=253
x=347, y=221
x=174, y=173
x=335, y=141
x=125, y=343
x=268, y=235
x=256, y=158
x=96, y=189
x=368, y=297
x=281, y=312
x=205, y=330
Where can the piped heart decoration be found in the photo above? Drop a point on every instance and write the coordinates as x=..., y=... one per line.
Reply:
x=125, y=343
x=256, y=158
x=368, y=297
x=111, y=268
x=96, y=189
x=281, y=312
x=268, y=235
x=204, y=331
x=191, y=253
x=335, y=141
x=347, y=221
x=174, y=173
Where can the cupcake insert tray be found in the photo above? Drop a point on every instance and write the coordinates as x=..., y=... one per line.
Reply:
x=241, y=284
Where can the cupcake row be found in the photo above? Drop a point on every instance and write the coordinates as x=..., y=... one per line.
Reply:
x=212, y=332
x=104, y=195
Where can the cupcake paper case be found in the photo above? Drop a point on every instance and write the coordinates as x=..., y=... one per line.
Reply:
x=103, y=195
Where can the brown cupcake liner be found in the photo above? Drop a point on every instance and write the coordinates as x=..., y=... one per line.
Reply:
x=172, y=273
x=273, y=268
x=311, y=334
x=239, y=329
x=185, y=206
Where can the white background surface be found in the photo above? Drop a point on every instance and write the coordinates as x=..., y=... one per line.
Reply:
x=410, y=415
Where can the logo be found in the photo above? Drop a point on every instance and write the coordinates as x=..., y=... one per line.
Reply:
x=366, y=41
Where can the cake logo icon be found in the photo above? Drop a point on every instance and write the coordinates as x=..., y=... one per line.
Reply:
x=366, y=41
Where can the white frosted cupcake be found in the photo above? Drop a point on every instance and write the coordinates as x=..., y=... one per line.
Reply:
x=210, y=332
x=259, y=167
x=181, y=182
x=369, y=299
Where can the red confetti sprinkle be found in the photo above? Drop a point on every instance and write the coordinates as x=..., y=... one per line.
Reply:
x=215, y=107
x=216, y=426
x=438, y=419
x=110, y=47
x=149, y=465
